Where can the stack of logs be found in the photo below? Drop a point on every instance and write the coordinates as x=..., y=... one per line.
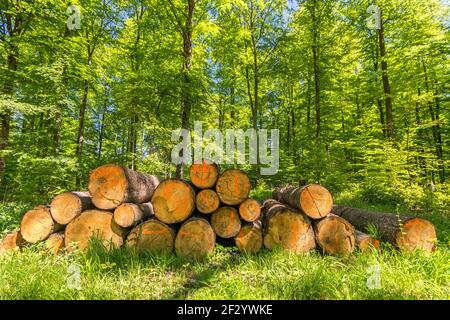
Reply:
x=125, y=207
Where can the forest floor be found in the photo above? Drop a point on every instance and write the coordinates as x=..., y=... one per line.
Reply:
x=228, y=274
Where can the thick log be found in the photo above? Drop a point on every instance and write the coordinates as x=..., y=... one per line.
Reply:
x=335, y=235
x=207, y=201
x=286, y=228
x=314, y=200
x=204, y=175
x=69, y=205
x=250, y=237
x=407, y=233
x=233, y=187
x=13, y=240
x=365, y=242
x=225, y=222
x=250, y=210
x=128, y=215
x=152, y=236
x=195, y=239
x=173, y=201
x=55, y=242
x=93, y=224
x=38, y=224
x=111, y=185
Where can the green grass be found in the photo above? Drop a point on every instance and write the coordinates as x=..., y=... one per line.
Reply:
x=120, y=274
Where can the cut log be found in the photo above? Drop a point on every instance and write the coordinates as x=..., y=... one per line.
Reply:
x=335, y=235
x=250, y=210
x=407, y=233
x=173, y=201
x=204, y=175
x=152, y=236
x=207, y=201
x=250, y=238
x=195, y=239
x=38, y=224
x=286, y=228
x=111, y=185
x=69, y=205
x=93, y=224
x=365, y=242
x=128, y=215
x=225, y=222
x=13, y=240
x=313, y=199
x=55, y=242
x=233, y=187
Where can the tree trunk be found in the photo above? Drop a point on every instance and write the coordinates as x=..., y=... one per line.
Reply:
x=173, y=201
x=11, y=241
x=128, y=215
x=90, y=225
x=207, y=201
x=152, y=236
x=250, y=238
x=286, y=228
x=69, y=205
x=226, y=222
x=313, y=199
x=335, y=235
x=233, y=187
x=407, y=233
x=111, y=185
x=38, y=224
x=250, y=210
x=195, y=239
x=386, y=85
x=55, y=242
x=204, y=175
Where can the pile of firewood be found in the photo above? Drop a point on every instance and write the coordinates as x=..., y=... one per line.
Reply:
x=125, y=207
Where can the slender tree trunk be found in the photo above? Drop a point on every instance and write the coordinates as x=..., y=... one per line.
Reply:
x=386, y=84
x=187, y=66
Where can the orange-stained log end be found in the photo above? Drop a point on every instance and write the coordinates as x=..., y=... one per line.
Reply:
x=204, y=175
x=173, y=201
x=38, y=224
x=225, y=222
x=233, y=187
x=250, y=210
x=152, y=236
x=195, y=239
x=67, y=206
x=55, y=242
x=365, y=242
x=13, y=240
x=93, y=224
x=250, y=237
x=207, y=201
x=128, y=215
x=335, y=235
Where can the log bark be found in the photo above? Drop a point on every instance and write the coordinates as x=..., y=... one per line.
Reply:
x=13, y=240
x=204, y=175
x=335, y=235
x=207, y=201
x=365, y=242
x=69, y=205
x=225, y=222
x=55, y=242
x=111, y=185
x=92, y=224
x=173, y=201
x=152, y=236
x=286, y=228
x=407, y=233
x=250, y=210
x=128, y=215
x=38, y=224
x=250, y=237
x=233, y=187
x=195, y=239
x=314, y=200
